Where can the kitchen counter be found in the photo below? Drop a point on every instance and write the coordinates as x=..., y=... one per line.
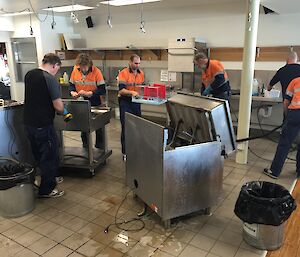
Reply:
x=261, y=99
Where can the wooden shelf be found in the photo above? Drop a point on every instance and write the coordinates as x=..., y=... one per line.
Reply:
x=263, y=54
x=118, y=54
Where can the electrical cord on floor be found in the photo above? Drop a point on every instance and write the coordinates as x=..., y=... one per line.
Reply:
x=118, y=224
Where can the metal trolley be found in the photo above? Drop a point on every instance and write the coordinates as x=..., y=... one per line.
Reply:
x=85, y=119
x=178, y=170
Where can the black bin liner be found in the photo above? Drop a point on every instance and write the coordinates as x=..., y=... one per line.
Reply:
x=264, y=202
x=13, y=174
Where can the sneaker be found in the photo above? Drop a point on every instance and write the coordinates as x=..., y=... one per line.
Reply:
x=269, y=173
x=54, y=194
x=59, y=179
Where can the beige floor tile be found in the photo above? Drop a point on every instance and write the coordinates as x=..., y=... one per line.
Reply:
x=224, y=250
x=58, y=251
x=89, y=215
x=75, y=241
x=42, y=245
x=75, y=224
x=33, y=222
x=230, y=237
x=191, y=251
x=212, y=255
x=105, y=238
x=137, y=234
x=8, y=247
x=62, y=218
x=245, y=253
x=141, y=250
x=74, y=254
x=153, y=239
x=172, y=246
x=6, y=224
x=109, y=252
x=28, y=238
x=159, y=253
x=49, y=213
x=211, y=231
x=60, y=234
x=183, y=235
x=103, y=219
x=16, y=231
x=218, y=221
x=25, y=253
x=91, y=248
x=90, y=230
x=77, y=209
x=203, y=242
x=46, y=228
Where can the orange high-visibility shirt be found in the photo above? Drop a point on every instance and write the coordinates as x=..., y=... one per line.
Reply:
x=88, y=82
x=293, y=93
x=214, y=68
x=128, y=80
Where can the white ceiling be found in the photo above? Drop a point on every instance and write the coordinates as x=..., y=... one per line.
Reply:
x=279, y=6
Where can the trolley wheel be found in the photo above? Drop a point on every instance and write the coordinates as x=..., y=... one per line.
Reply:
x=92, y=173
x=207, y=211
x=167, y=223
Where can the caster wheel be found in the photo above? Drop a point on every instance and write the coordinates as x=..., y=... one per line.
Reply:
x=92, y=173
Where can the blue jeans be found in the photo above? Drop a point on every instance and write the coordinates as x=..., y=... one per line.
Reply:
x=44, y=145
x=290, y=129
x=126, y=106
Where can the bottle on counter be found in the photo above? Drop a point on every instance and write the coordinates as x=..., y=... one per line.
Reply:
x=66, y=77
x=263, y=90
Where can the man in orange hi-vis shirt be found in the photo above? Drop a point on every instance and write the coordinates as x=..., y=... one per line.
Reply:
x=215, y=80
x=128, y=78
x=87, y=81
x=290, y=130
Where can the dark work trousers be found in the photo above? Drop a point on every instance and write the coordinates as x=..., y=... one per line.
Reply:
x=127, y=106
x=223, y=95
x=290, y=129
x=99, y=139
x=44, y=145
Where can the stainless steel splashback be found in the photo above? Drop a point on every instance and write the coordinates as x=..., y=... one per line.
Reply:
x=202, y=119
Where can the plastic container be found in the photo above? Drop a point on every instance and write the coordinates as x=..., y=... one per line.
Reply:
x=66, y=77
x=255, y=90
x=17, y=196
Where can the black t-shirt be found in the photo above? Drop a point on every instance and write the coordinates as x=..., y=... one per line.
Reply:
x=41, y=88
x=285, y=75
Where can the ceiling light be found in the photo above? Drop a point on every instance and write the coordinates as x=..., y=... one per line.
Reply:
x=68, y=8
x=15, y=13
x=74, y=17
x=126, y=2
x=142, y=27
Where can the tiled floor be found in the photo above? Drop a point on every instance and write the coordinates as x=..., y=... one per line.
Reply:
x=73, y=225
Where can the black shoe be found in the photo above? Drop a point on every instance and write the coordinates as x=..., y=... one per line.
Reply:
x=269, y=173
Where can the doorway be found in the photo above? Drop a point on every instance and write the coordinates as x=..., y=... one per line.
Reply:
x=4, y=74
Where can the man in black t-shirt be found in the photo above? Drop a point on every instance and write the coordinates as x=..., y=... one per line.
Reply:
x=286, y=73
x=42, y=100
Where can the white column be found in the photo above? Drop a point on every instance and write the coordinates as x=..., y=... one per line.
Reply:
x=247, y=77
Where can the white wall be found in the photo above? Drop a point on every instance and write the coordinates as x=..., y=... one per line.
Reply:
x=219, y=25
x=6, y=24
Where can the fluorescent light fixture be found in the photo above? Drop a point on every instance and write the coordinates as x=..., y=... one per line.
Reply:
x=15, y=13
x=127, y=2
x=69, y=8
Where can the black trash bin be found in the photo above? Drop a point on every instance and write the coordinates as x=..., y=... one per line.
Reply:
x=264, y=207
x=16, y=189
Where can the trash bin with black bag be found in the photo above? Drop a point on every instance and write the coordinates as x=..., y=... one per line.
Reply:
x=17, y=196
x=264, y=207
